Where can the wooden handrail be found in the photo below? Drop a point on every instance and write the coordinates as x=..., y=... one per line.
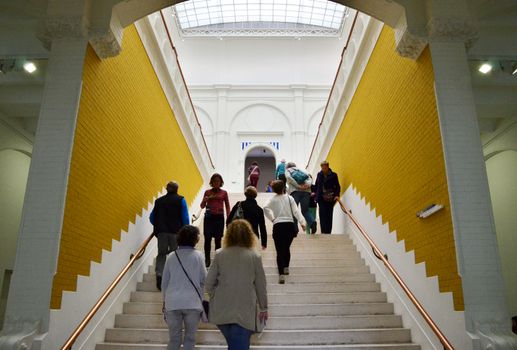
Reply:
x=333, y=86
x=71, y=340
x=446, y=344
x=186, y=87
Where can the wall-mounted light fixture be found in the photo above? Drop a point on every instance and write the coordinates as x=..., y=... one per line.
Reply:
x=430, y=210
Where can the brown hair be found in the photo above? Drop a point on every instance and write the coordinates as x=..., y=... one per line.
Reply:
x=278, y=186
x=239, y=234
x=250, y=192
x=188, y=235
x=216, y=175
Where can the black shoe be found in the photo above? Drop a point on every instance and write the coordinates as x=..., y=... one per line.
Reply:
x=159, y=282
x=314, y=227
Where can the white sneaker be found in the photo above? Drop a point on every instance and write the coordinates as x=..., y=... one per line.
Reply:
x=281, y=279
x=286, y=271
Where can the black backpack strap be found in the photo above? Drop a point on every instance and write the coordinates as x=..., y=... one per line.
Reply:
x=193, y=285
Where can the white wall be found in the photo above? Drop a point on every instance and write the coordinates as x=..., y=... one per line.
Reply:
x=14, y=169
x=257, y=89
x=286, y=117
x=258, y=61
x=500, y=151
x=502, y=179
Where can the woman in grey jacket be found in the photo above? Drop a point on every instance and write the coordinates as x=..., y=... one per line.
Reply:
x=236, y=283
x=181, y=293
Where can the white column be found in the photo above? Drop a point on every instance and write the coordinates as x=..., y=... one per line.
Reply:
x=474, y=233
x=298, y=129
x=40, y=227
x=222, y=134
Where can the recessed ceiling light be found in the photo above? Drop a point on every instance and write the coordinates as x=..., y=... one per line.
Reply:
x=485, y=68
x=29, y=67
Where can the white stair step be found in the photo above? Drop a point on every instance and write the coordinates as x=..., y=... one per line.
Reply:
x=276, y=337
x=296, y=270
x=293, y=270
x=301, y=261
x=295, y=261
x=278, y=323
x=296, y=287
x=292, y=298
x=287, y=310
x=122, y=346
x=323, y=278
x=303, y=278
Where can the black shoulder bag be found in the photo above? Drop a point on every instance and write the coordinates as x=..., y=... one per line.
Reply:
x=205, y=303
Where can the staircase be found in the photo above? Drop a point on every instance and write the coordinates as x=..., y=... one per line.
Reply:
x=330, y=301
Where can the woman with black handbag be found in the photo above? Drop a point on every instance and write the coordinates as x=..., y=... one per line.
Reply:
x=183, y=282
x=282, y=211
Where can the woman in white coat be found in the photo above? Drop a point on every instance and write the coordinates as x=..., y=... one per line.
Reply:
x=282, y=210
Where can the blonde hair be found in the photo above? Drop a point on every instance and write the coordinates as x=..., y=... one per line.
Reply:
x=239, y=234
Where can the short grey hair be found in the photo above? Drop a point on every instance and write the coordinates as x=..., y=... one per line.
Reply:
x=172, y=186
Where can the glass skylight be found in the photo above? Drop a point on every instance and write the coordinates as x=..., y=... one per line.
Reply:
x=218, y=16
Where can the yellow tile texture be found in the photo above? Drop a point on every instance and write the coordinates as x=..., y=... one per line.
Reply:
x=127, y=145
x=389, y=148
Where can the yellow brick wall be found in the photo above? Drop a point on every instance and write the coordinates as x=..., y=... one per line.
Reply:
x=389, y=148
x=127, y=146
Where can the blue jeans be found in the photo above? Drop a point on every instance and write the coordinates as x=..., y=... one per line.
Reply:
x=303, y=198
x=237, y=337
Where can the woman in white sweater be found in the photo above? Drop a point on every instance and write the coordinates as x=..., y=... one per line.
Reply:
x=182, y=293
x=236, y=283
x=282, y=210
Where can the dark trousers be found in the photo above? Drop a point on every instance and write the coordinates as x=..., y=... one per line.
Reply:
x=282, y=178
x=303, y=198
x=213, y=227
x=283, y=235
x=326, y=210
x=167, y=242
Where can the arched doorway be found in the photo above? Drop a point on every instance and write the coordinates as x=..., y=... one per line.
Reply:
x=267, y=163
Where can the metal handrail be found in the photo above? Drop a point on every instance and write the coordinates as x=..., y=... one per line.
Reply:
x=446, y=344
x=71, y=340
x=186, y=88
x=333, y=86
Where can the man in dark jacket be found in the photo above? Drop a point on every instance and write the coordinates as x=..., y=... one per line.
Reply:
x=253, y=213
x=328, y=191
x=170, y=213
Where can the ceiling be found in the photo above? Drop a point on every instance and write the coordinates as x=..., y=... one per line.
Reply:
x=495, y=93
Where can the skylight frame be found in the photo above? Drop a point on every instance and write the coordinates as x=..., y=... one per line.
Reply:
x=260, y=18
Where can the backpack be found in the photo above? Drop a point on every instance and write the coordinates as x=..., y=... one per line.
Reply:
x=299, y=176
x=239, y=213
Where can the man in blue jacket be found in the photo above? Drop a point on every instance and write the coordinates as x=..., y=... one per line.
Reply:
x=280, y=172
x=170, y=213
x=328, y=191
